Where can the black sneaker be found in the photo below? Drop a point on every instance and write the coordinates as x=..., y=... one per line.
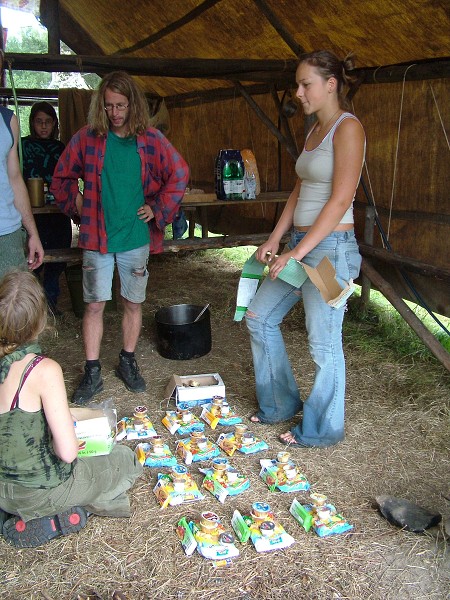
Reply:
x=128, y=372
x=40, y=531
x=91, y=384
x=4, y=516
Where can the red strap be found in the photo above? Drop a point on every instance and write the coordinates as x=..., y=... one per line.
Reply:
x=30, y=366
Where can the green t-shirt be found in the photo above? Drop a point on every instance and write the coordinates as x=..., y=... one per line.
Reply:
x=122, y=195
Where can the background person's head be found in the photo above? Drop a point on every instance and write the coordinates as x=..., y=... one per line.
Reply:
x=23, y=310
x=330, y=67
x=43, y=122
x=119, y=104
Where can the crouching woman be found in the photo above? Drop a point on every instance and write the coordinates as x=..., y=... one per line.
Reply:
x=45, y=490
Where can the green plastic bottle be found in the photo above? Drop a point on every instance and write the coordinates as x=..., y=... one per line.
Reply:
x=227, y=178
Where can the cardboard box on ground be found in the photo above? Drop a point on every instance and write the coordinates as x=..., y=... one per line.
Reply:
x=195, y=389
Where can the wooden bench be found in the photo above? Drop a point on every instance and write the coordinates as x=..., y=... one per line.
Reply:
x=196, y=207
x=74, y=255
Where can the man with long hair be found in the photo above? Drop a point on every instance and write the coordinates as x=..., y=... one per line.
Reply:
x=134, y=181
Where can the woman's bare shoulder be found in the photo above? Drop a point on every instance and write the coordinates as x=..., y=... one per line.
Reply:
x=48, y=368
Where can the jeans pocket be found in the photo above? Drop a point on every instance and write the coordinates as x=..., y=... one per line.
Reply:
x=353, y=259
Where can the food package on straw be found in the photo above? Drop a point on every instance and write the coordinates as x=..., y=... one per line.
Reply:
x=206, y=534
x=176, y=487
x=284, y=476
x=223, y=480
x=262, y=527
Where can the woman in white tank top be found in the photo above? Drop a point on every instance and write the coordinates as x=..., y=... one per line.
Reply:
x=319, y=212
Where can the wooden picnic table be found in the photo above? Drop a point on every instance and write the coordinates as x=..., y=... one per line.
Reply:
x=196, y=207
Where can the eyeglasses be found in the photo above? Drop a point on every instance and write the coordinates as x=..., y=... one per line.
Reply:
x=44, y=123
x=120, y=107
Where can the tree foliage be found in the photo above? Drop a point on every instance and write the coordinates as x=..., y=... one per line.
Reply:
x=32, y=41
x=35, y=41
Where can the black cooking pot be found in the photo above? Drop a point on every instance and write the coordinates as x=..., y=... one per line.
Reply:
x=179, y=336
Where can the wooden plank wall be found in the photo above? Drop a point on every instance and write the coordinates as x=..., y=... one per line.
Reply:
x=199, y=132
x=407, y=169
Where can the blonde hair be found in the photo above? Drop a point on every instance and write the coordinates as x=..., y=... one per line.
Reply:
x=23, y=310
x=329, y=65
x=138, y=112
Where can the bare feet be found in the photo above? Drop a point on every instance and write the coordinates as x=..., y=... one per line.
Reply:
x=255, y=419
x=288, y=439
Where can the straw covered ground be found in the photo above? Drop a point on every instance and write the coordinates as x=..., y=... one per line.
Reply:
x=397, y=434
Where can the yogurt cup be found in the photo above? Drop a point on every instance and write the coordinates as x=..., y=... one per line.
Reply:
x=202, y=443
x=225, y=409
x=260, y=509
x=220, y=463
x=291, y=472
x=178, y=486
x=232, y=475
x=248, y=438
x=283, y=457
x=323, y=512
x=318, y=499
x=267, y=528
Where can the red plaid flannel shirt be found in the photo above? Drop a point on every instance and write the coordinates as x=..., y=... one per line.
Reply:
x=164, y=178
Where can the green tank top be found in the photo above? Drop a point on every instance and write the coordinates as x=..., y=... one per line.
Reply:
x=26, y=450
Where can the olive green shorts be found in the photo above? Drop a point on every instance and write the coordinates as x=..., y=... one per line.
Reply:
x=98, y=483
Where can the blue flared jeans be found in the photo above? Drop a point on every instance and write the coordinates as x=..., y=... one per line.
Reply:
x=276, y=389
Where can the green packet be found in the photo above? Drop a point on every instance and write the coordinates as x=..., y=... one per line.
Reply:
x=301, y=515
x=241, y=529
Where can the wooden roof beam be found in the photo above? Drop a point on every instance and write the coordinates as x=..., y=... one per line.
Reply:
x=279, y=28
x=53, y=31
x=151, y=39
x=213, y=95
x=284, y=121
x=439, y=68
x=266, y=120
x=29, y=96
x=185, y=68
x=70, y=31
x=279, y=72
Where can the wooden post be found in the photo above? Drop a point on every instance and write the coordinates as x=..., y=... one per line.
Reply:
x=368, y=239
x=203, y=220
x=416, y=325
x=54, y=35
